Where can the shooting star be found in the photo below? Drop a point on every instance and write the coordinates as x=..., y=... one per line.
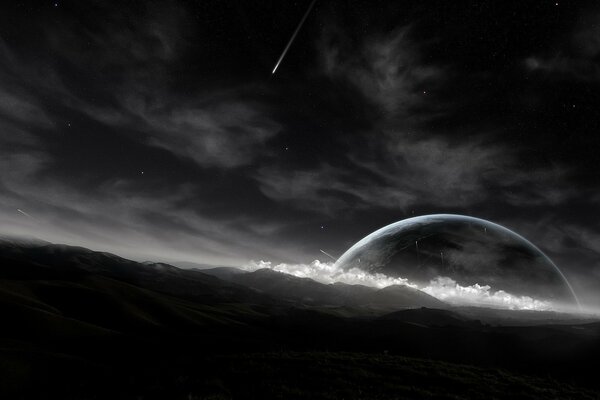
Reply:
x=25, y=214
x=294, y=36
x=328, y=255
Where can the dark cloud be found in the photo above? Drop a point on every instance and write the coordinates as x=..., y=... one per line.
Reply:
x=387, y=69
x=577, y=57
x=402, y=163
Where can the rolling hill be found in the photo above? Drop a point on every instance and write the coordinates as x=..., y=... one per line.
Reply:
x=83, y=324
x=309, y=292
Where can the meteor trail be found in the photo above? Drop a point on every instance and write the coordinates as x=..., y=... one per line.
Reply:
x=24, y=213
x=294, y=36
x=327, y=254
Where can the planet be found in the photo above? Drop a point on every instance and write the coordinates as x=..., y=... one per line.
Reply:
x=465, y=260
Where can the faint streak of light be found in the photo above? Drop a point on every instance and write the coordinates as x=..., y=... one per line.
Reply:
x=25, y=214
x=417, y=247
x=328, y=255
x=410, y=244
x=294, y=36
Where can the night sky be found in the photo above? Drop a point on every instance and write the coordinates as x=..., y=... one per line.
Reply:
x=156, y=130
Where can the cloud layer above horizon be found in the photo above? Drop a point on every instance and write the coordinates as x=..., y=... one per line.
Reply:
x=442, y=288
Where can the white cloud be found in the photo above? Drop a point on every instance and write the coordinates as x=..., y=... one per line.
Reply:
x=326, y=272
x=443, y=288
x=225, y=134
x=446, y=289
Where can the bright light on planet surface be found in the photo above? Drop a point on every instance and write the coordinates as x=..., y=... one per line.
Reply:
x=457, y=258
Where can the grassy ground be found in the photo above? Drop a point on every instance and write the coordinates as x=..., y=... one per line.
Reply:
x=319, y=375
x=360, y=376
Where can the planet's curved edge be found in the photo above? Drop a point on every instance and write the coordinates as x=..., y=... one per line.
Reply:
x=419, y=218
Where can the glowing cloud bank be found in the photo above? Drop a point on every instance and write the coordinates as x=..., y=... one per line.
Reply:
x=443, y=288
x=448, y=290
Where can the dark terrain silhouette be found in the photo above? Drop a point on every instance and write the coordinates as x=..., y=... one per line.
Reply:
x=85, y=324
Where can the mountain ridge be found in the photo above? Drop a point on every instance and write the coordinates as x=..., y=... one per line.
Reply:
x=310, y=292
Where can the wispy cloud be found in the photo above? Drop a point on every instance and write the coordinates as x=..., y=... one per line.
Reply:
x=400, y=161
x=408, y=170
x=224, y=133
x=387, y=69
x=120, y=75
x=212, y=127
x=576, y=57
x=121, y=219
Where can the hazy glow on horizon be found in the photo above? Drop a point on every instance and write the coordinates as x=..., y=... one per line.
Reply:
x=442, y=288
